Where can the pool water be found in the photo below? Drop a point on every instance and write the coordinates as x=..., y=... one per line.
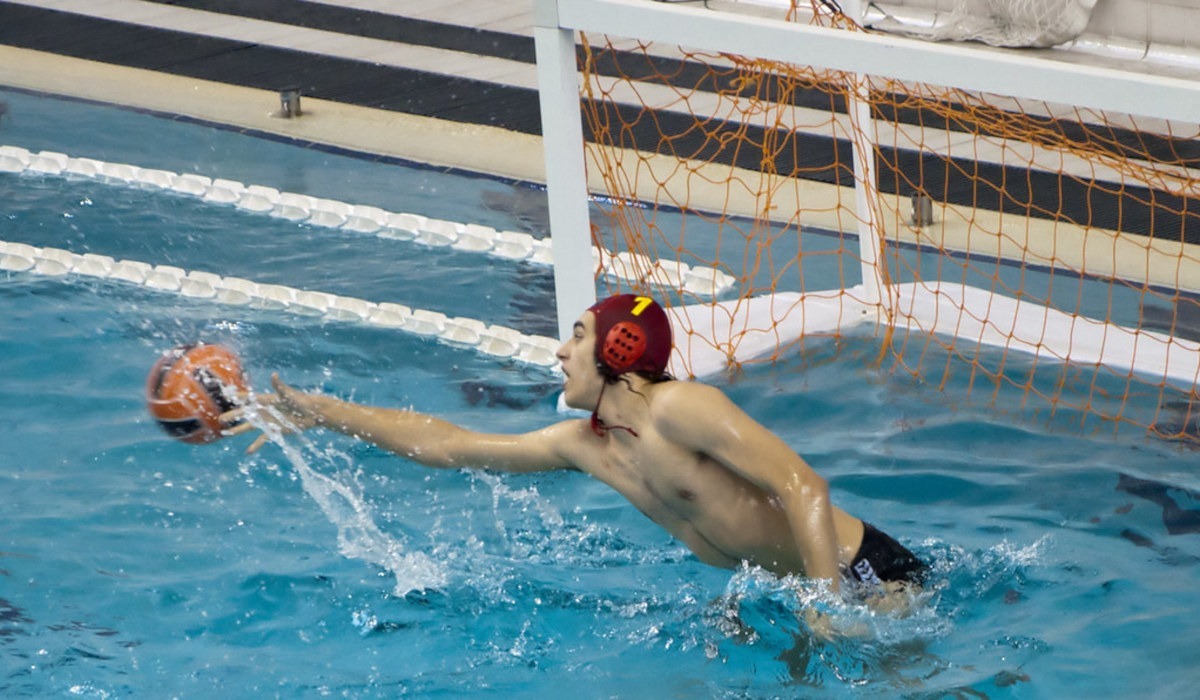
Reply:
x=135, y=566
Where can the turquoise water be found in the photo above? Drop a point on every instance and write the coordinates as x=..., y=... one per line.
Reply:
x=134, y=566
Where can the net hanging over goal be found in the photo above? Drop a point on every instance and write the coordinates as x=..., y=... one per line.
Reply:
x=1007, y=23
x=1026, y=249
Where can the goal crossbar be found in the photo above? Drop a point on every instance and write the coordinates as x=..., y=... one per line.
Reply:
x=968, y=67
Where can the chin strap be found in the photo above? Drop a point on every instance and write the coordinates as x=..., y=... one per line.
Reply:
x=598, y=426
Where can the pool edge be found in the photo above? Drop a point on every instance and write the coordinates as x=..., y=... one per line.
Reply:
x=439, y=143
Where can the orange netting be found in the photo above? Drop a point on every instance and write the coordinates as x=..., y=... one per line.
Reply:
x=1041, y=249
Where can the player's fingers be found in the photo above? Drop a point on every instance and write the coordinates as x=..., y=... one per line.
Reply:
x=257, y=444
x=235, y=425
x=232, y=416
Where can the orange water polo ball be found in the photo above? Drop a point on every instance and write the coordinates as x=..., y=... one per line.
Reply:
x=191, y=386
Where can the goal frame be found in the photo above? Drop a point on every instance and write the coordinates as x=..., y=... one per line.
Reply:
x=973, y=68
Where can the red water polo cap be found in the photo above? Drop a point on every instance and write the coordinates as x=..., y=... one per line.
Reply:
x=633, y=334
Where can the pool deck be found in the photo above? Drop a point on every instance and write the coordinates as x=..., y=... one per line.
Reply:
x=361, y=92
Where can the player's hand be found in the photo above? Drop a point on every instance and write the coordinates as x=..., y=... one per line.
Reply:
x=288, y=409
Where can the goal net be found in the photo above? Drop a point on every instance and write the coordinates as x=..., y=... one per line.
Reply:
x=1042, y=251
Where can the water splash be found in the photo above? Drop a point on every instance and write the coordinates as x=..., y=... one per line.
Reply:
x=818, y=612
x=828, y=640
x=359, y=537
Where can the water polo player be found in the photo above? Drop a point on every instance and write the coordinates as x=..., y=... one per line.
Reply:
x=680, y=451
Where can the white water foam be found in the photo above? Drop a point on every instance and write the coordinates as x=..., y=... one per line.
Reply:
x=359, y=537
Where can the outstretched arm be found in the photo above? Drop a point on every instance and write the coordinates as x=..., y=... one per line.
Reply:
x=419, y=437
x=705, y=420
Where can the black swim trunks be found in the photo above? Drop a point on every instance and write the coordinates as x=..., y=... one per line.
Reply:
x=881, y=559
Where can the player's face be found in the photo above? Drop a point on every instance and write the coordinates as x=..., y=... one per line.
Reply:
x=581, y=379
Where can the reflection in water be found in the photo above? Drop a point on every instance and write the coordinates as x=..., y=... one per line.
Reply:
x=1177, y=519
x=12, y=620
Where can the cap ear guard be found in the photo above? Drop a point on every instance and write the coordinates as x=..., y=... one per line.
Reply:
x=623, y=346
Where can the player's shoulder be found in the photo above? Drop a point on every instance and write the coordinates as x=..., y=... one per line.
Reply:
x=686, y=400
x=569, y=430
x=682, y=391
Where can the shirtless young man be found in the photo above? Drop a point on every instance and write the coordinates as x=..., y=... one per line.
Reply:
x=682, y=452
